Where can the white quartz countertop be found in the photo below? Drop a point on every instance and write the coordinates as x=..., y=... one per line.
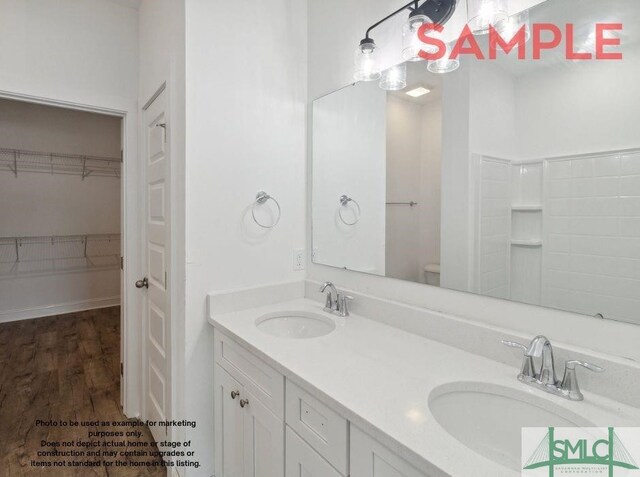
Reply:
x=380, y=378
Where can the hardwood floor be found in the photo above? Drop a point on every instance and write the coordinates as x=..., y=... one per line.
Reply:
x=66, y=368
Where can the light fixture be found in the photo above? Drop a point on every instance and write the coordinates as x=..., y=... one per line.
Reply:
x=446, y=64
x=417, y=92
x=510, y=27
x=367, y=66
x=395, y=78
x=411, y=43
x=483, y=14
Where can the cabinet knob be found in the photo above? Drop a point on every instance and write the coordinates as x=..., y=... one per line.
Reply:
x=244, y=402
x=235, y=394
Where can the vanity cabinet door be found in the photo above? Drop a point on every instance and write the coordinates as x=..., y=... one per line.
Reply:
x=263, y=439
x=229, y=418
x=303, y=461
x=369, y=458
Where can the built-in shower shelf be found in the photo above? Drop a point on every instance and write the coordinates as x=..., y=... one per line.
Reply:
x=527, y=243
x=526, y=208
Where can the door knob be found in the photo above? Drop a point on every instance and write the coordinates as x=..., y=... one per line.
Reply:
x=144, y=283
x=235, y=394
x=244, y=402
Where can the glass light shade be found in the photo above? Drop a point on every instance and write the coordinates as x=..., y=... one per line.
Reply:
x=411, y=44
x=484, y=13
x=444, y=64
x=367, y=66
x=395, y=78
x=510, y=27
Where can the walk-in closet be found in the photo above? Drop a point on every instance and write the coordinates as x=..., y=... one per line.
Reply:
x=60, y=173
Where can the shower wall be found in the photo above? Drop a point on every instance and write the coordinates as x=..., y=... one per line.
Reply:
x=592, y=234
x=562, y=232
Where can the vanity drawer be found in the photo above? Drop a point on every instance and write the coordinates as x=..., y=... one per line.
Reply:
x=324, y=429
x=303, y=461
x=260, y=379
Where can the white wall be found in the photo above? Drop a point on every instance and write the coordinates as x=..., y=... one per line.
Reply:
x=39, y=204
x=349, y=139
x=580, y=108
x=457, y=193
x=431, y=185
x=78, y=51
x=246, y=124
x=334, y=30
x=414, y=145
x=492, y=110
x=403, y=172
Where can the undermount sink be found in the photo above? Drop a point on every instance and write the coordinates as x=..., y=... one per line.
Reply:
x=295, y=324
x=488, y=419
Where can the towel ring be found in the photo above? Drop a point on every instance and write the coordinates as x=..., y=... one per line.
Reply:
x=344, y=201
x=262, y=198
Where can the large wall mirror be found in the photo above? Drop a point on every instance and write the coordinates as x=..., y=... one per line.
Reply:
x=512, y=179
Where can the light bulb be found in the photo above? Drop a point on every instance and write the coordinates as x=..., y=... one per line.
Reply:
x=446, y=64
x=366, y=62
x=395, y=78
x=485, y=13
x=411, y=44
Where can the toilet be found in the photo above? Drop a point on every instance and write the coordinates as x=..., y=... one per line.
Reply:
x=432, y=274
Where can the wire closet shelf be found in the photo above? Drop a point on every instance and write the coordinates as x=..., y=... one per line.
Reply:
x=18, y=160
x=59, y=253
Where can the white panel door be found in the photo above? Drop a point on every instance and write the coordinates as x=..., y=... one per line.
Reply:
x=263, y=440
x=303, y=461
x=229, y=415
x=369, y=458
x=157, y=384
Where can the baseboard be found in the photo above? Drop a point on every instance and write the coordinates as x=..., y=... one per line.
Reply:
x=60, y=309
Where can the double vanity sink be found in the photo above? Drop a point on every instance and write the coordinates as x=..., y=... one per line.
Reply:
x=440, y=410
x=486, y=418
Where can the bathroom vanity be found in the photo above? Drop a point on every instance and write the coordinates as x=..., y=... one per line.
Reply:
x=513, y=185
x=302, y=392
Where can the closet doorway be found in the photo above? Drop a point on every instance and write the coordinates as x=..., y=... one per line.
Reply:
x=61, y=224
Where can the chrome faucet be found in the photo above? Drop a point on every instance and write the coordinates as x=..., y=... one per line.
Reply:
x=540, y=347
x=545, y=377
x=332, y=296
x=336, y=303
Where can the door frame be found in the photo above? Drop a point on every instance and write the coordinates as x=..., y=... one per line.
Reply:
x=130, y=335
